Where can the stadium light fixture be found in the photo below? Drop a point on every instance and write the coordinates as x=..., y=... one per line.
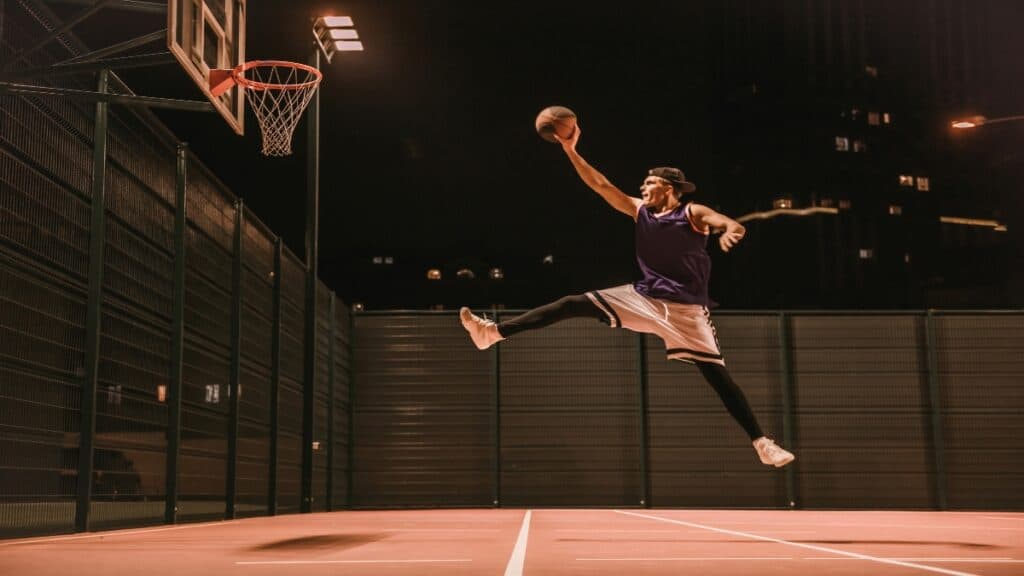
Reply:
x=335, y=34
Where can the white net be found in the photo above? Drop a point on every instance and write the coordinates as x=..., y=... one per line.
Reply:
x=278, y=93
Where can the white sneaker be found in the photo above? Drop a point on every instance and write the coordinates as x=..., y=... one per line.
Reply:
x=771, y=453
x=484, y=332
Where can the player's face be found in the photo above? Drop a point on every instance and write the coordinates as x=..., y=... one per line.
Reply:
x=655, y=191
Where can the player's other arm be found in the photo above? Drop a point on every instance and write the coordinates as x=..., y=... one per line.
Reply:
x=732, y=231
x=597, y=181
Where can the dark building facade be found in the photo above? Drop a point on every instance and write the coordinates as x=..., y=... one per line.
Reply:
x=845, y=105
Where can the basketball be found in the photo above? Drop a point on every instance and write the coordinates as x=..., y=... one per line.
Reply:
x=555, y=119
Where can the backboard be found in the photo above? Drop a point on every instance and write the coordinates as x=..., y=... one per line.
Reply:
x=208, y=34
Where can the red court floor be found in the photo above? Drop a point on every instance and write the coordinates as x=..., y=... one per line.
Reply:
x=512, y=542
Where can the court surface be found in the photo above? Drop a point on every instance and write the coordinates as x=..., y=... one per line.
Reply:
x=538, y=542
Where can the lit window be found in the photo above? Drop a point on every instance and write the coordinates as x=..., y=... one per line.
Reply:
x=866, y=253
x=854, y=113
x=886, y=118
x=465, y=274
x=895, y=210
x=548, y=259
x=782, y=203
x=316, y=445
x=497, y=273
x=212, y=394
x=922, y=183
x=433, y=274
x=859, y=146
x=161, y=393
x=845, y=204
x=389, y=260
x=871, y=71
x=358, y=307
x=842, y=143
x=873, y=118
x=906, y=180
x=906, y=257
x=378, y=260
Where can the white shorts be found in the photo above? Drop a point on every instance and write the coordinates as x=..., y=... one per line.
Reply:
x=686, y=329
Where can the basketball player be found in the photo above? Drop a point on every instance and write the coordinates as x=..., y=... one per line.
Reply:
x=670, y=300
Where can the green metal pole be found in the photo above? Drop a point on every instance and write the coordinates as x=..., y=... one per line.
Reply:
x=177, y=339
x=645, y=441
x=788, y=388
x=275, y=379
x=351, y=408
x=312, y=235
x=331, y=346
x=236, y=363
x=496, y=409
x=935, y=401
x=94, y=313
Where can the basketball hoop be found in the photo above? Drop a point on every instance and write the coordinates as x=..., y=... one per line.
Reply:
x=278, y=93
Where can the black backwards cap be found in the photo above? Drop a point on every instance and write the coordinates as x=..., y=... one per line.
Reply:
x=675, y=176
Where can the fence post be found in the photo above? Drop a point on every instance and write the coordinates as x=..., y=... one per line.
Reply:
x=496, y=412
x=275, y=378
x=236, y=361
x=935, y=410
x=331, y=359
x=788, y=389
x=177, y=338
x=97, y=241
x=645, y=440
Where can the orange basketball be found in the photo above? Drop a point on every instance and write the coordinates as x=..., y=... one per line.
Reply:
x=555, y=119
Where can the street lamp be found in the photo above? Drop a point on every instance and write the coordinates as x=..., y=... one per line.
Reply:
x=975, y=121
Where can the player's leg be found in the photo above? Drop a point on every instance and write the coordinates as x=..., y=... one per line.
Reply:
x=732, y=396
x=690, y=336
x=736, y=403
x=486, y=332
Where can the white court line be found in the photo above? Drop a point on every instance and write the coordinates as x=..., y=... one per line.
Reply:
x=1010, y=518
x=866, y=525
x=800, y=545
x=936, y=559
x=515, y=562
x=614, y=530
x=112, y=533
x=689, y=559
x=287, y=562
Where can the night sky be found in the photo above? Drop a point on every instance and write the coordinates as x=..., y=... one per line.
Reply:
x=428, y=150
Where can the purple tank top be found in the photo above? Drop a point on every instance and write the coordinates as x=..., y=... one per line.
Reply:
x=673, y=257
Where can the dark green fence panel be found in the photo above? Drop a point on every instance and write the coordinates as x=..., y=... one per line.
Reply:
x=861, y=411
x=422, y=410
x=321, y=407
x=341, y=407
x=207, y=359
x=570, y=423
x=293, y=308
x=254, y=387
x=981, y=389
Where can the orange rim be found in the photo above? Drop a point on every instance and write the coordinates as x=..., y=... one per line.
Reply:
x=239, y=75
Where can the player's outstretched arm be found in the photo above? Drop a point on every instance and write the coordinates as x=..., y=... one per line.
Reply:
x=597, y=181
x=732, y=231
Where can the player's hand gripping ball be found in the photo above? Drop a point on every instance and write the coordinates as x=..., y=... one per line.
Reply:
x=555, y=120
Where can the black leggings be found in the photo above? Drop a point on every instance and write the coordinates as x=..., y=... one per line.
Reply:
x=580, y=306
